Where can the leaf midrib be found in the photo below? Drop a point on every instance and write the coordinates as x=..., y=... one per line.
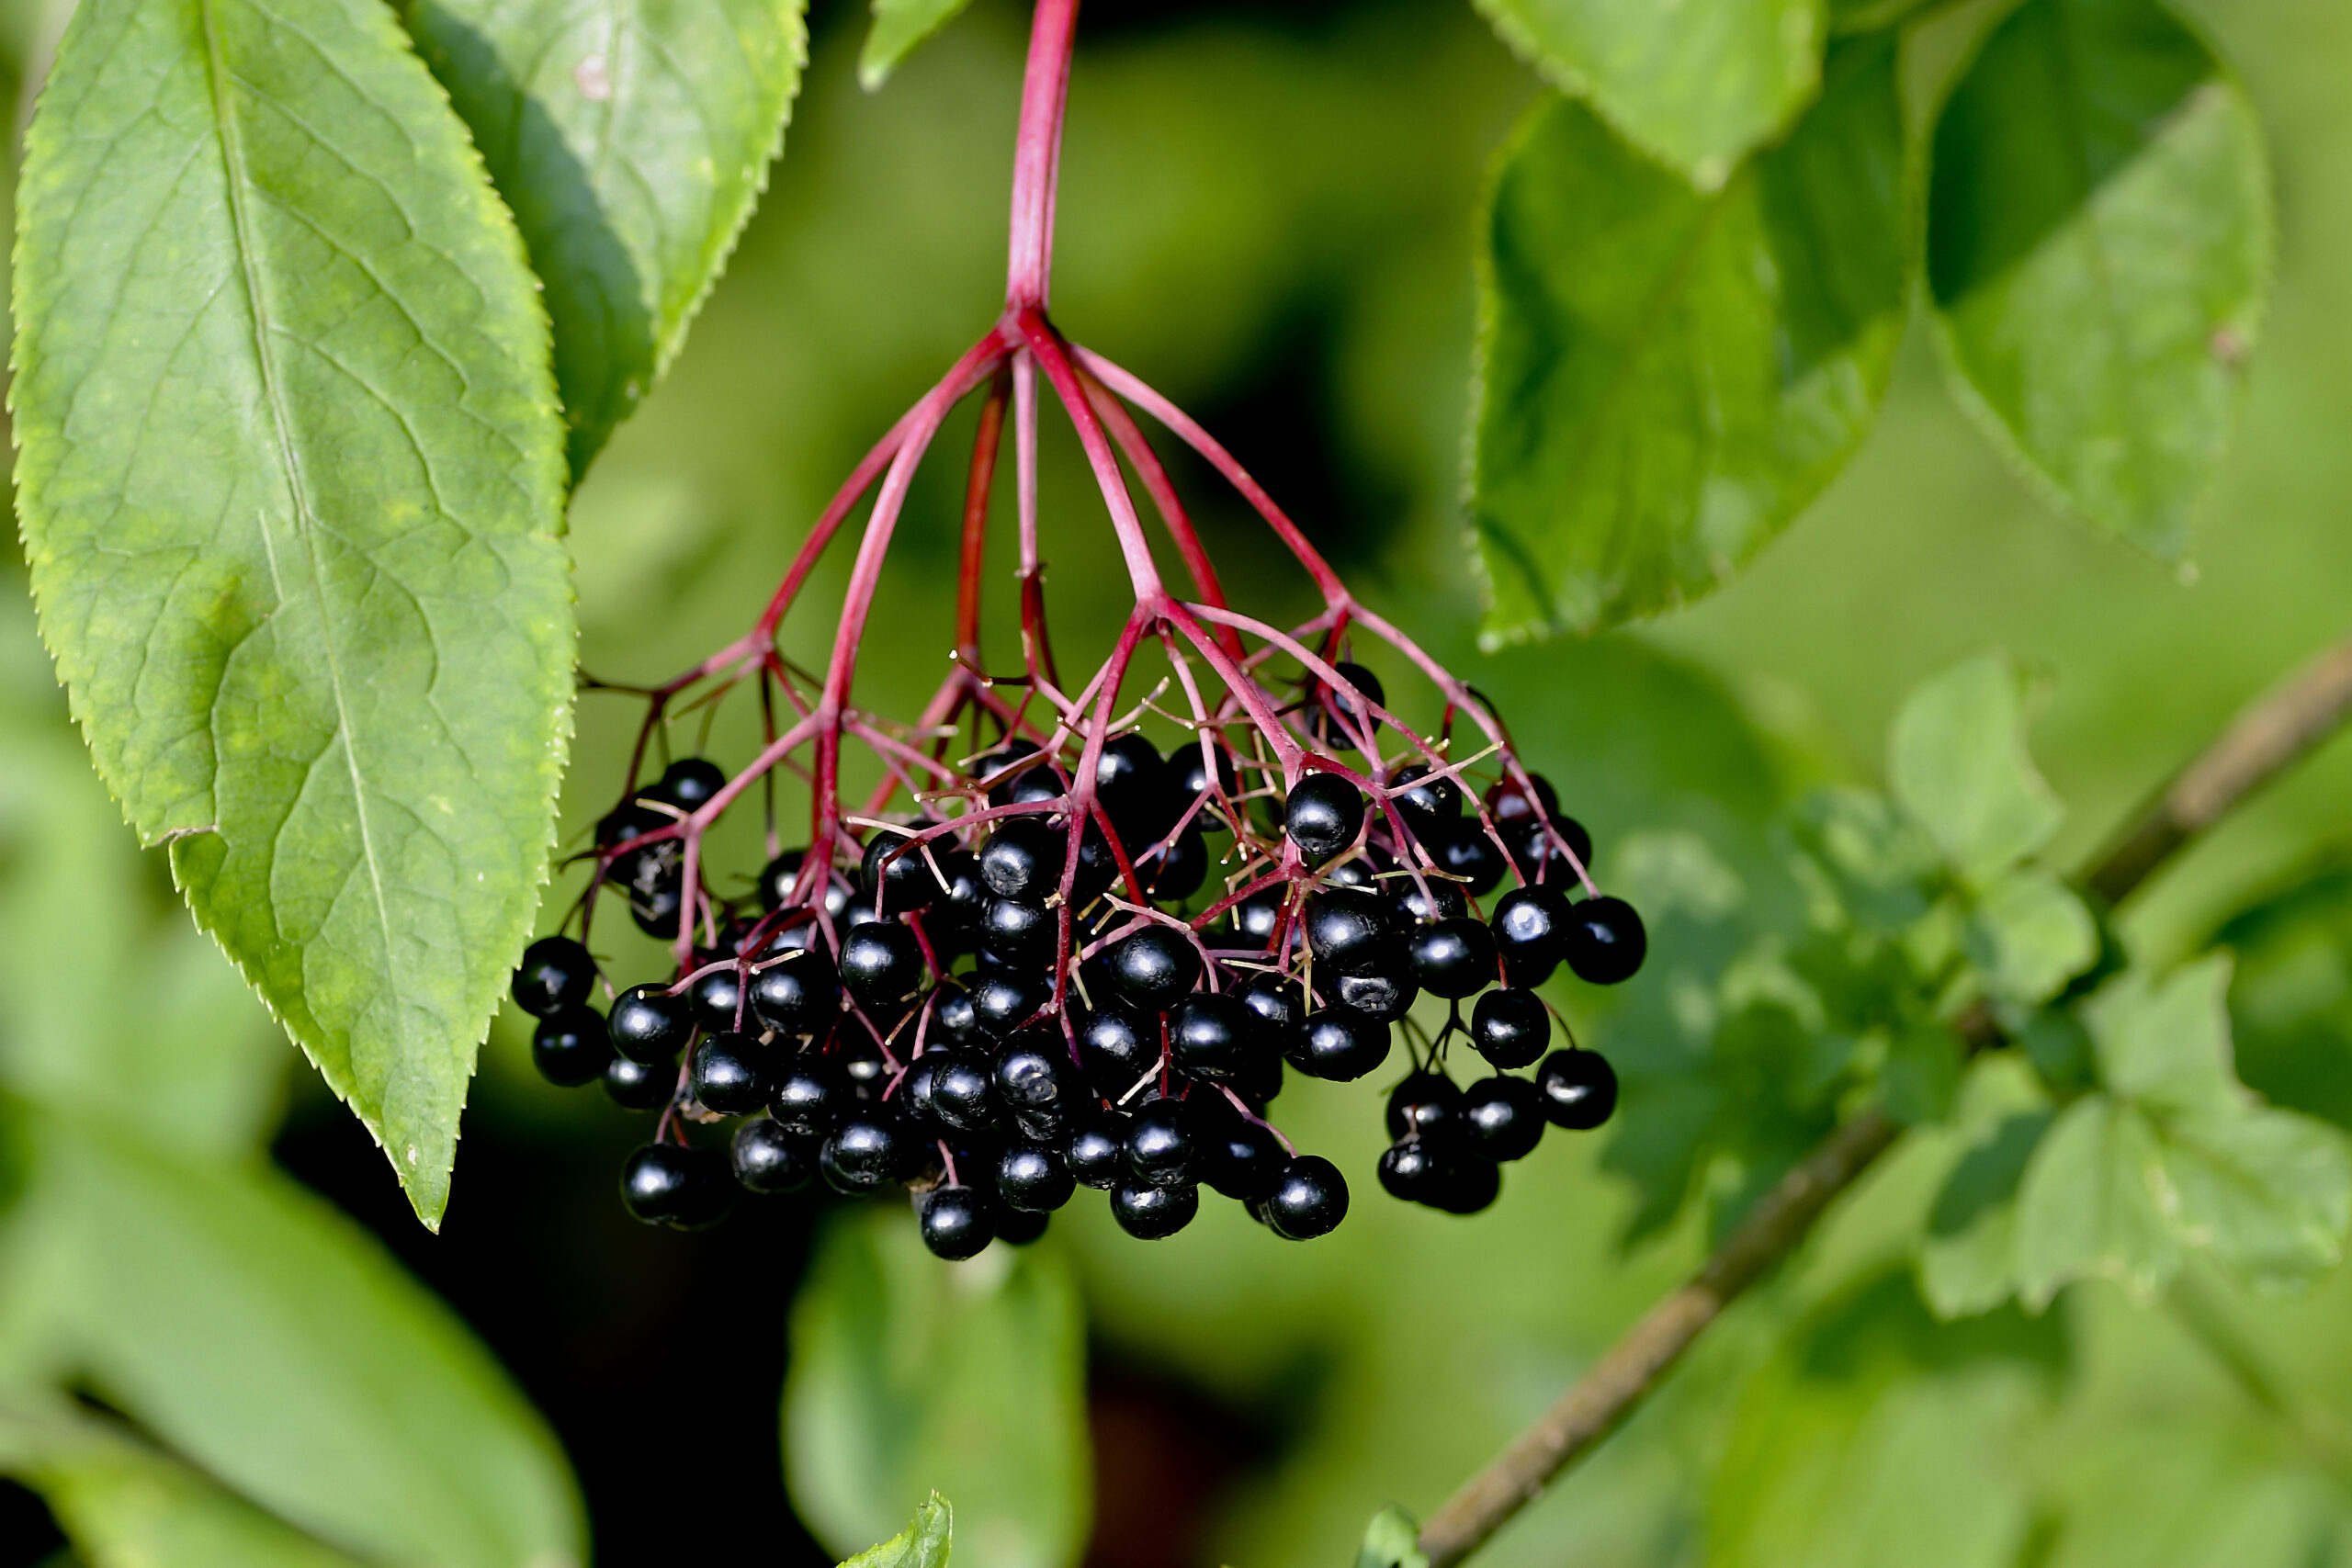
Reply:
x=218, y=76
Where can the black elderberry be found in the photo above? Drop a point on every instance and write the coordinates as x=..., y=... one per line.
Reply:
x=1429, y=802
x=717, y=999
x=1509, y=803
x=1386, y=995
x=1212, y=1036
x=1348, y=929
x=1098, y=1154
x=1033, y=1177
x=768, y=1158
x=957, y=1221
x=1004, y=999
x=1353, y=872
x=1153, y=968
x=656, y=912
x=649, y=1024
x=881, y=962
x=571, y=1047
x=798, y=996
x=1535, y=852
x=1019, y=933
x=864, y=1153
x=1152, y=1214
x=631, y=822
x=861, y=1061
x=1503, y=1116
x=1035, y=783
x=671, y=1184
x=1034, y=1078
x=1309, y=1198
x=913, y=1095
x=1022, y=859
x=1604, y=941
x=1239, y=1157
x=1135, y=788
x=1160, y=1143
x=1174, y=873
x=963, y=1089
x=954, y=913
x=1323, y=815
x=1338, y=1044
x=689, y=783
x=1408, y=1169
x=1432, y=898
x=1192, y=780
x=1117, y=1050
x=1511, y=1027
x=898, y=869
x=1463, y=1183
x=1578, y=1089
x=1260, y=1079
x=640, y=1086
x=1428, y=1104
x=1529, y=926
x=1277, y=1000
x=1345, y=719
x=811, y=1096
x=1468, y=852
x=1454, y=958
x=860, y=911
x=1255, y=916
x=727, y=1077
x=955, y=1018
x=556, y=972
x=781, y=880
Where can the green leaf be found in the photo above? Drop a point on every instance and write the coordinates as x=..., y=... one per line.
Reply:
x=901, y=26
x=2028, y=935
x=2089, y=1205
x=1694, y=85
x=1968, y=1256
x=924, y=1543
x=2098, y=257
x=1922, y=1073
x=2268, y=1191
x=632, y=141
x=1957, y=760
x=2165, y=1044
x=259, y=1333
x=908, y=1374
x=291, y=482
x=1392, y=1541
x=2290, y=997
x=1870, y=860
x=1666, y=377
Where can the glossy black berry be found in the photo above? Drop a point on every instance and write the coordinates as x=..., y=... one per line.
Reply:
x=1098, y=1154
x=1213, y=1036
x=781, y=881
x=1151, y=1213
x=881, y=962
x=571, y=1047
x=1503, y=1116
x=727, y=1074
x=1578, y=1089
x=957, y=1221
x=1153, y=968
x=1535, y=849
x=1529, y=926
x=1429, y=802
x=953, y=922
x=811, y=1096
x=1409, y=1170
x=670, y=1184
x=798, y=996
x=1135, y=788
x=1425, y=1104
x=1034, y=781
x=1034, y=1075
x=1323, y=815
x=556, y=972
x=1604, y=941
x=1022, y=859
x=861, y=1061
x=1033, y=1177
x=640, y=1086
x=648, y=1024
x=1174, y=873
x=770, y=1159
x=1506, y=802
x=1019, y=1227
x=864, y=1153
x=1386, y=995
x=1004, y=999
x=1509, y=1027
x=955, y=1019
x=963, y=1089
x=1159, y=1143
x=1469, y=853
x=1454, y=958
x=1463, y=1182
x=631, y=822
x=1345, y=719
x=1309, y=1198
x=1019, y=933
x=1239, y=1158
x=1432, y=898
x=1191, y=777
x=899, y=870
x=1254, y=918
x=717, y=999
x=1338, y=1044
x=1118, y=1049
x=656, y=912
x=1277, y=1002
x=1348, y=929
x=689, y=783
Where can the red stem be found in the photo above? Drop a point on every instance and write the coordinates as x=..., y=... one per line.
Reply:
x=1038, y=153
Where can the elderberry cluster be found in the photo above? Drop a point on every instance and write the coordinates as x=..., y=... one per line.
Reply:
x=962, y=1003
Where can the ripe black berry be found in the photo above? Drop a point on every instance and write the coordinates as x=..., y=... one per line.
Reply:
x=957, y=1221
x=1345, y=719
x=1579, y=1090
x=963, y=1089
x=1454, y=958
x=1428, y=1104
x=631, y=822
x=1469, y=853
x=1323, y=815
x=1034, y=1075
x=727, y=1077
x=1019, y=1227
x=1511, y=1027
x=1605, y=941
x=1310, y=1199
x=1534, y=854
x=1022, y=859
x=1191, y=779
x=1348, y=929
x=1135, y=788
x=1278, y=1002
x=1004, y=999
x=1254, y=918
x=781, y=880
x=1503, y=1116
x=1429, y=802
x=640, y=1086
x=673, y=1185
x=1098, y=1154
x=1153, y=968
x=1212, y=1036
x=1386, y=995
x=717, y=999
x=1239, y=1157
x=954, y=919
x=1442, y=900
x=1529, y=928
x=1034, y=782
x=798, y=996
x=810, y=1097
x=1159, y=1143
x=1408, y=1169
x=864, y=1152
x=1117, y=1049
x=1019, y=933
x=898, y=870
x=770, y=1159
x=1149, y=1212
x=656, y=911
x=1033, y=1177
x=1463, y=1183
x=881, y=962
x=1338, y=1044
x=1509, y=803
x=1175, y=873
x=556, y=972
x=569, y=1048
x=649, y=1024
x=689, y=782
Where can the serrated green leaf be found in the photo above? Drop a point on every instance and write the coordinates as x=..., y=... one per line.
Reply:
x=2098, y=257
x=2029, y=934
x=2164, y=1044
x=632, y=141
x=1968, y=1256
x=1957, y=760
x=926, y=1542
x=907, y=1373
x=1667, y=378
x=291, y=482
x=901, y=26
x=2268, y=1192
x=2090, y=1207
x=1392, y=1541
x=1693, y=85
x=259, y=1333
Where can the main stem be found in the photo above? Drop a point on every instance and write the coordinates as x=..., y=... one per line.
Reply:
x=1038, y=153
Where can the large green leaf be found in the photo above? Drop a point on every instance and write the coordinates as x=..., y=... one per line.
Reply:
x=1667, y=378
x=908, y=1374
x=899, y=27
x=1695, y=85
x=257, y=1332
x=1957, y=760
x=2099, y=253
x=2089, y=1205
x=291, y=479
x=632, y=140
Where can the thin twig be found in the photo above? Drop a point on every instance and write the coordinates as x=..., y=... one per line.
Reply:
x=2265, y=741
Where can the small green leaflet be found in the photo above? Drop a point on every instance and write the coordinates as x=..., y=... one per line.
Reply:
x=631, y=140
x=1392, y=1541
x=2029, y=934
x=2098, y=257
x=291, y=482
x=1957, y=760
x=1694, y=85
x=901, y=26
x=1666, y=377
x=924, y=1543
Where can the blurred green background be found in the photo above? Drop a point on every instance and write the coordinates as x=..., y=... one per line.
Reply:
x=1267, y=210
